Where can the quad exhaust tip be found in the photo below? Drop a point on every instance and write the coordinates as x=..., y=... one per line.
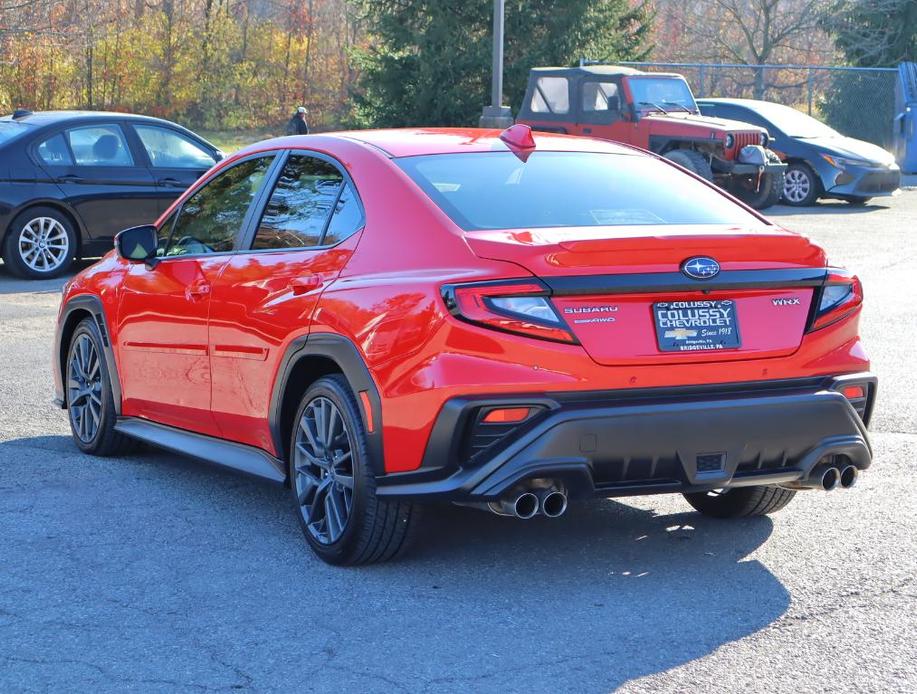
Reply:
x=848, y=476
x=525, y=506
x=554, y=504
x=830, y=478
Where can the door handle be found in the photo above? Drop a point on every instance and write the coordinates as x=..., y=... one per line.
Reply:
x=171, y=182
x=197, y=291
x=304, y=285
x=70, y=178
x=587, y=130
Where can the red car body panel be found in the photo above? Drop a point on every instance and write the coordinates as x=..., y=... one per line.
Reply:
x=199, y=343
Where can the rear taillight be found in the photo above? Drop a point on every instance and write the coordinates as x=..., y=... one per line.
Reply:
x=521, y=307
x=840, y=296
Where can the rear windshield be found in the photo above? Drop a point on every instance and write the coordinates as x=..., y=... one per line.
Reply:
x=498, y=190
x=10, y=130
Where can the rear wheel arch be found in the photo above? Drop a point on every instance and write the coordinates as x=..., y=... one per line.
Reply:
x=308, y=359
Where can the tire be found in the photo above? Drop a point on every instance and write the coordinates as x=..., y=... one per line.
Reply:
x=41, y=243
x=90, y=403
x=370, y=529
x=767, y=195
x=802, y=187
x=692, y=161
x=741, y=502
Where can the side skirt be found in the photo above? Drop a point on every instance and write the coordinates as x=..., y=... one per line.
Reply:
x=237, y=456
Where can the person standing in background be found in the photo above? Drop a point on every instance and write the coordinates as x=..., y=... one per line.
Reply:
x=297, y=124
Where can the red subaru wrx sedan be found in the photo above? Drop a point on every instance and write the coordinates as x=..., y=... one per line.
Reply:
x=505, y=320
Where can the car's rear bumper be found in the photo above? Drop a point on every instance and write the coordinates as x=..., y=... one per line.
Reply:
x=644, y=442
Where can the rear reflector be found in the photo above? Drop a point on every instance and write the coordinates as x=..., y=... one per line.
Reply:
x=511, y=414
x=853, y=392
x=367, y=409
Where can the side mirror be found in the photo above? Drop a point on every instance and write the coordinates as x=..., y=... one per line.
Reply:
x=219, y=155
x=138, y=244
x=614, y=103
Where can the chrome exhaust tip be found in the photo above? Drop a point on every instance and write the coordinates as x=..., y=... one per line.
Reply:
x=830, y=478
x=525, y=506
x=554, y=504
x=849, y=476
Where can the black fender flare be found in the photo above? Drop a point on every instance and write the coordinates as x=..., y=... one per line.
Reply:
x=346, y=356
x=66, y=324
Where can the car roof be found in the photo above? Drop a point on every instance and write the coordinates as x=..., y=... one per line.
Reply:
x=407, y=142
x=40, y=118
x=600, y=70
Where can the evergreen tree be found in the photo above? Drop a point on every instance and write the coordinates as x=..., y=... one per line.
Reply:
x=430, y=60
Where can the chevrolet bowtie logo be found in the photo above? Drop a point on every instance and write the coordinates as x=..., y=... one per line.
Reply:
x=681, y=333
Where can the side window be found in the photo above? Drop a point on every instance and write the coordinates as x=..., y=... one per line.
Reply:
x=347, y=219
x=163, y=233
x=295, y=215
x=54, y=151
x=600, y=96
x=169, y=149
x=552, y=95
x=99, y=145
x=210, y=219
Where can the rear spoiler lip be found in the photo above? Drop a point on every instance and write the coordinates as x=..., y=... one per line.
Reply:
x=651, y=282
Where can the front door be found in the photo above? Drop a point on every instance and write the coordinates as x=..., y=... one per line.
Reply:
x=162, y=330
x=267, y=294
x=104, y=183
x=601, y=111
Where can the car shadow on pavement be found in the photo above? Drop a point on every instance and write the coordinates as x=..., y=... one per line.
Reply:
x=824, y=207
x=169, y=566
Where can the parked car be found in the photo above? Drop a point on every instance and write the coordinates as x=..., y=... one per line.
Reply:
x=384, y=318
x=70, y=180
x=655, y=111
x=822, y=162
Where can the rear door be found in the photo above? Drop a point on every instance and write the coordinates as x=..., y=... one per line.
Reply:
x=101, y=176
x=175, y=160
x=266, y=295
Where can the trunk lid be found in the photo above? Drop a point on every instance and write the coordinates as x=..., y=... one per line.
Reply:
x=622, y=292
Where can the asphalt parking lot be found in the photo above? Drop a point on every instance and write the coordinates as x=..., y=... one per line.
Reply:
x=153, y=573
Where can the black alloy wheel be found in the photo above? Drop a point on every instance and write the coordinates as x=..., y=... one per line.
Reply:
x=323, y=469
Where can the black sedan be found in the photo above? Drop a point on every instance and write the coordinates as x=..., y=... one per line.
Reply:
x=69, y=181
x=822, y=162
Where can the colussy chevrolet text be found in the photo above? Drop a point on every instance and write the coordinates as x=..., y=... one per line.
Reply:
x=383, y=319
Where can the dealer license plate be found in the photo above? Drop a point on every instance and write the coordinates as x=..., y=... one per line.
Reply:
x=696, y=326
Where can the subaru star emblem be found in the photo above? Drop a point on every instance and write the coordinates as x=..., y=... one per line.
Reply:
x=701, y=268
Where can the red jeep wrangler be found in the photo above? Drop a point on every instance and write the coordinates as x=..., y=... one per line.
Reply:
x=655, y=111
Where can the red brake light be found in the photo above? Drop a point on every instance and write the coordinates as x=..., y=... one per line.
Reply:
x=840, y=296
x=520, y=307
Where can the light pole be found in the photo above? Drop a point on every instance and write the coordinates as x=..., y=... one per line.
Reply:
x=497, y=115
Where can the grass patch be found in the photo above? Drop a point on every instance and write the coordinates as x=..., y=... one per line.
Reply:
x=231, y=140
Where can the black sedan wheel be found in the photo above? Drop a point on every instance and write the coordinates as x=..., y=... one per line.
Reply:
x=333, y=485
x=90, y=403
x=41, y=244
x=801, y=187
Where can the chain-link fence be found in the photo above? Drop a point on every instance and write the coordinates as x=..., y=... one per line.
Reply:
x=858, y=102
